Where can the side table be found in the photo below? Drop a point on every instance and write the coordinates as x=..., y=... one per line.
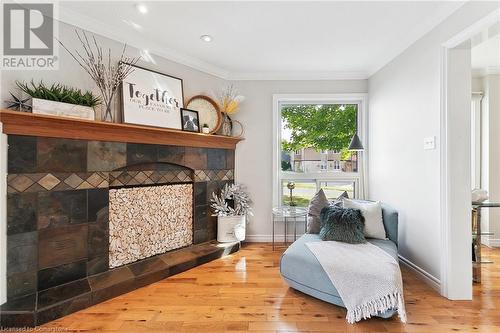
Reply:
x=286, y=213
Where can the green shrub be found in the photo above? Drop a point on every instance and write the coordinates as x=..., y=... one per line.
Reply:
x=59, y=93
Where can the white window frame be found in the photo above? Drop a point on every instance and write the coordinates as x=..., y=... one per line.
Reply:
x=359, y=178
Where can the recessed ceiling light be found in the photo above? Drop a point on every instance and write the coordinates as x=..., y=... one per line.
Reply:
x=206, y=38
x=141, y=8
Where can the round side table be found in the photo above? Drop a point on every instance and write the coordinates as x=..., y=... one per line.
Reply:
x=287, y=213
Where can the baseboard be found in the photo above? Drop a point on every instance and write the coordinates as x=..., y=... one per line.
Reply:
x=425, y=276
x=493, y=242
x=269, y=238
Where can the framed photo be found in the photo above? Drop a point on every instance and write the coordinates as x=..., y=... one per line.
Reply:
x=151, y=98
x=190, y=120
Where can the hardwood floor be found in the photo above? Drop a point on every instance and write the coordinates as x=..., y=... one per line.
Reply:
x=244, y=292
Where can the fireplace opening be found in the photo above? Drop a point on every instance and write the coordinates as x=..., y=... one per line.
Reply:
x=150, y=212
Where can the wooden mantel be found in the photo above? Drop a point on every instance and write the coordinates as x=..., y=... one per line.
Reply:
x=22, y=123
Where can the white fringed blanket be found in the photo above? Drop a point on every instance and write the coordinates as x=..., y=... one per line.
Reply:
x=367, y=278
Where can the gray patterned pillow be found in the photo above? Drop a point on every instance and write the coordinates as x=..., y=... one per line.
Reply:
x=317, y=203
x=342, y=225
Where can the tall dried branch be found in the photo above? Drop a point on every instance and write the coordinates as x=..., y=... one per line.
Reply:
x=103, y=72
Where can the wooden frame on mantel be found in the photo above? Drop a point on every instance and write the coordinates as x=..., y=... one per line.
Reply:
x=22, y=123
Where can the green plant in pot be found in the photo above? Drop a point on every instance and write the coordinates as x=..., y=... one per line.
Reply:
x=205, y=129
x=231, y=206
x=58, y=99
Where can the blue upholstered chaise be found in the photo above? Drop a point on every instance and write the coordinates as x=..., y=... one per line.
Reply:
x=302, y=271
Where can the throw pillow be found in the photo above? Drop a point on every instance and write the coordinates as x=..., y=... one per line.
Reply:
x=372, y=212
x=338, y=202
x=342, y=225
x=317, y=203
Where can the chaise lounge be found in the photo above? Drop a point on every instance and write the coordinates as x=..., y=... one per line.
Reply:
x=303, y=272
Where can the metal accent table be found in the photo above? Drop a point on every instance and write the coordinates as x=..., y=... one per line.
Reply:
x=476, y=231
x=286, y=213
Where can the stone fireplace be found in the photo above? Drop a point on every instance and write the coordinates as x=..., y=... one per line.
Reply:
x=89, y=220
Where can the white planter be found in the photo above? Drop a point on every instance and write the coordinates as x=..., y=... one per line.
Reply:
x=205, y=130
x=52, y=108
x=231, y=229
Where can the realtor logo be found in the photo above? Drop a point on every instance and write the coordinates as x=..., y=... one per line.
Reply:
x=28, y=36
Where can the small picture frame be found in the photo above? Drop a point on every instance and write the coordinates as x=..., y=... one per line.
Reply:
x=190, y=120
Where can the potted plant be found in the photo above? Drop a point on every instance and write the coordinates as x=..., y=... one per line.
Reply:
x=231, y=207
x=205, y=129
x=60, y=100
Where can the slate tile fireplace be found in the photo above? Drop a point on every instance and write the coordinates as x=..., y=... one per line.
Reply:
x=58, y=223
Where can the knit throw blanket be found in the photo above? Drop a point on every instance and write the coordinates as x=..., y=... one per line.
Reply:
x=367, y=278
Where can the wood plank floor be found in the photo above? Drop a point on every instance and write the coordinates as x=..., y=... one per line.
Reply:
x=244, y=292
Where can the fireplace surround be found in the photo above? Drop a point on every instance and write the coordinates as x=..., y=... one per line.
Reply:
x=58, y=219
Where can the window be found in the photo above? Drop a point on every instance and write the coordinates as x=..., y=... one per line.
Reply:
x=321, y=131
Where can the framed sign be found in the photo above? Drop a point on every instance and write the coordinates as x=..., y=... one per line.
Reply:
x=152, y=98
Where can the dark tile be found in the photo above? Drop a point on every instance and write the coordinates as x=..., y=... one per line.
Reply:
x=61, y=155
x=62, y=245
x=21, y=154
x=21, y=284
x=147, y=266
x=153, y=277
x=200, y=193
x=61, y=208
x=110, y=278
x=24, y=303
x=97, y=265
x=229, y=159
x=182, y=267
x=21, y=213
x=21, y=253
x=62, y=293
x=171, y=154
x=138, y=153
x=211, y=226
x=63, y=309
x=22, y=319
x=98, y=200
x=54, y=276
x=216, y=159
x=106, y=156
x=200, y=218
x=212, y=187
x=195, y=158
x=200, y=236
x=98, y=240
x=174, y=258
x=114, y=290
x=209, y=257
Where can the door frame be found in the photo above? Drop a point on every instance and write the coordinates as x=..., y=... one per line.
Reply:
x=456, y=236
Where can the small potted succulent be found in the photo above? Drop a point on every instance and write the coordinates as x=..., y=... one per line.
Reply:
x=231, y=206
x=205, y=129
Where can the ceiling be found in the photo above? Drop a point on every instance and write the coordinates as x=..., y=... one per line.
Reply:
x=266, y=40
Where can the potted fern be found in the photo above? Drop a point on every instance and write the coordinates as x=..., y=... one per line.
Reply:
x=60, y=100
x=231, y=206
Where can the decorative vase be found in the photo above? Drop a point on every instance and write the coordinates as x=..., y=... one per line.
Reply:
x=227, y=125
x=205, y=130
x=108, y=115
x=231, y=228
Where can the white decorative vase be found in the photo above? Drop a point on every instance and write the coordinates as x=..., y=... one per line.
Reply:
x=231, y=229
x=205, y=130
x=52, y=108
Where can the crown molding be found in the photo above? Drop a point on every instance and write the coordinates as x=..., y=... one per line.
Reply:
x=90, y=24
x=298, y=76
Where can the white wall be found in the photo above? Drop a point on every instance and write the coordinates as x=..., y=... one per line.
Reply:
x=404, y=108
x=254, y=155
